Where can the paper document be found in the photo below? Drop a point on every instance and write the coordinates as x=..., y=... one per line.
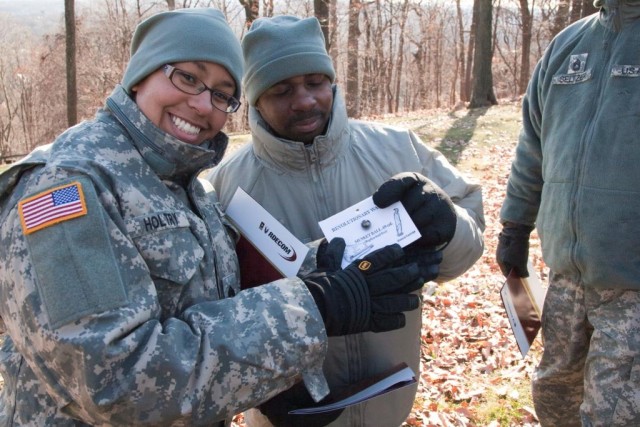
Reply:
x=397, y=377
x=523, y=298
x=281, y=248
x=366, y=227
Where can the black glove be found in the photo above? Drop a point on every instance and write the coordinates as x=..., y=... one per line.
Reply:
x=429, y=207
x=428, y=261
x=328, y=259
x=329, y=255
x=513, y=248
x=371, y=294
x=277, y=409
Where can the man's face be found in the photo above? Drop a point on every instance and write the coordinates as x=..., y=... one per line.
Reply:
x=298, y=108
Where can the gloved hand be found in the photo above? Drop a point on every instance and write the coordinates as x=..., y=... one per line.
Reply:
x=329, y=258
x=370, y=294
x=329, y=255
x=428, y=261
x=277, y=409
x=513, y=248
x=429, y=207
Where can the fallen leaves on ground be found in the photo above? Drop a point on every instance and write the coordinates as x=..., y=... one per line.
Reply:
x=470, y=360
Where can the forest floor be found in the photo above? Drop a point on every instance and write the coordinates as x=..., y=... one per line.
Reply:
x=472, y=373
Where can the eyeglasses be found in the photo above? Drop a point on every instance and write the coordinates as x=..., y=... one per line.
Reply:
x=190, y=84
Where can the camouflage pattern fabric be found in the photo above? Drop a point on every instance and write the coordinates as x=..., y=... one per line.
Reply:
x=127, y=311
x=589, y=374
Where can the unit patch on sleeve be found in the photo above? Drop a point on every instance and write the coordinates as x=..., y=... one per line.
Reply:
x=51, y=207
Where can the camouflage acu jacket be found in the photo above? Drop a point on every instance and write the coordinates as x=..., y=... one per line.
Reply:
x=119, y=289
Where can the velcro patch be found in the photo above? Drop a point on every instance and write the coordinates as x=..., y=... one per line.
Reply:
x=625, y=71
x=571, y=79
x=52, y=207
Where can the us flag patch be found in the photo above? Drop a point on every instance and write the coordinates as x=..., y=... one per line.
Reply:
x=51, y=207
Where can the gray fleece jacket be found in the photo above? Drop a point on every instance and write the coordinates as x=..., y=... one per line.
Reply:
x=576, y=174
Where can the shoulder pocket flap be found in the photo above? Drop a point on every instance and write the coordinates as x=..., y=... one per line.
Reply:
x=77, y=272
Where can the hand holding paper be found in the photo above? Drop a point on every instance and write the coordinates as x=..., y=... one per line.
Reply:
x=397, y=377
x=366, y=227
x=371, y=294
x=429, y=207
x=295, y=408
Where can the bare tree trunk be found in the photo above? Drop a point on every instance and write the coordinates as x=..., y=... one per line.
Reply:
x=171, y=4
x=141, y=7
x=28, y=116
x=6, y=119
x=437, y=74
x=70, y=32
x=460, y=63
x=400, y=64
x=576, y=10
x=388, y=91
x=369, y=65
x=251, y=11
x=381, y=68
x=470, y=49
x=588, y=8
x=581, y=8
x=569, y=11
x=352, y=96
x=482, y=94
x=267, y=7
x=321, y=11
x=419, y=95
x=562, y=17
x=333, y=30
x=527, y=19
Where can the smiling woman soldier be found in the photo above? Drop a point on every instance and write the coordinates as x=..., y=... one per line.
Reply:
x=118, y=277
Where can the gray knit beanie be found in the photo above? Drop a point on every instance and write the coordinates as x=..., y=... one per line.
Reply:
x=281, y=47
x=182, y=35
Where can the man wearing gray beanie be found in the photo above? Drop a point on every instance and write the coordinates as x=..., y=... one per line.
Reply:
x=119, y=281
x=308, y=161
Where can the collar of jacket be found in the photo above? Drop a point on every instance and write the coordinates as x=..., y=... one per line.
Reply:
x=286, y=155
x=169, y=157
x=616, y=14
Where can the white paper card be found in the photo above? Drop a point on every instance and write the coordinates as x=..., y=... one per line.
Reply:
x=281, y=248
x=399, y=378
x=366, y=227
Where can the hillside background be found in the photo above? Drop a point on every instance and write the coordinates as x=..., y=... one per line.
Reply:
x=390, y=57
